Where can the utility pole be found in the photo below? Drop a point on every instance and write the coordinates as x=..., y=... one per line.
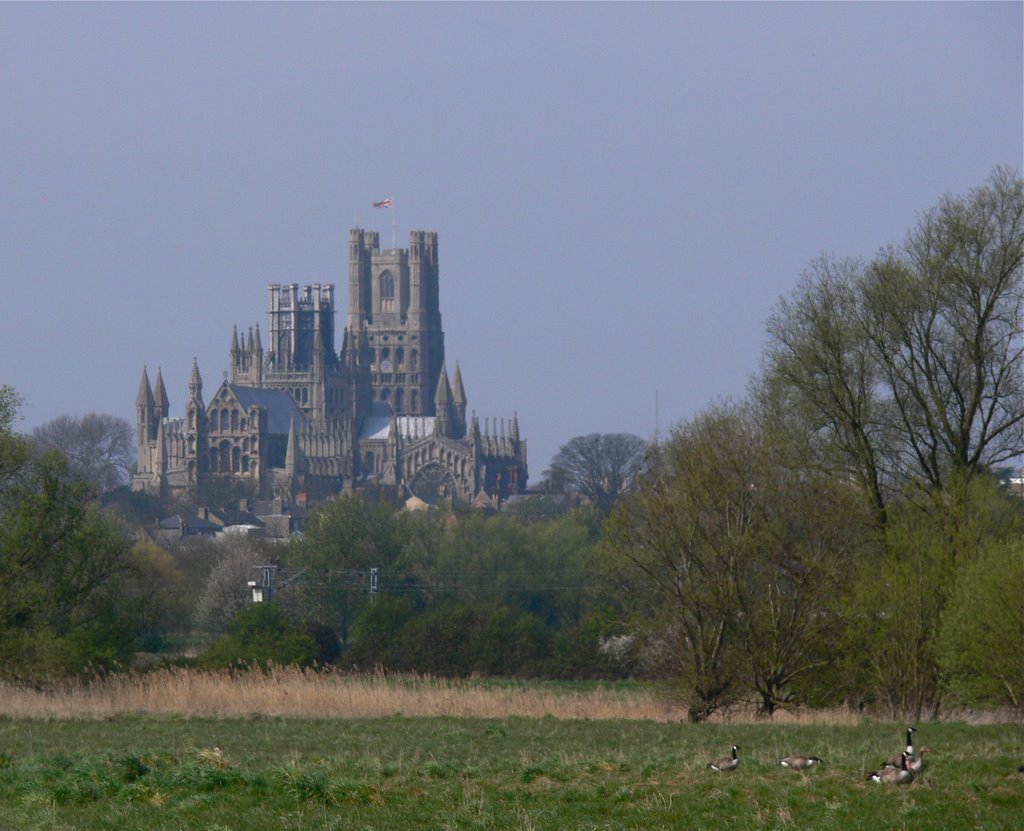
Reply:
x=374, y=576
x=265, y=592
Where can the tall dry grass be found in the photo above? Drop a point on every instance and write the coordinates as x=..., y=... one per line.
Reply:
x=293, y=692
x=297, y=693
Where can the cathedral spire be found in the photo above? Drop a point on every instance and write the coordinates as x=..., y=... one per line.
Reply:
x=234, y=342
x=195, y=383
x=292, y=453
x=145, y=408
x=442, y=405
x=145, y=396
x=458, y=404
x=160, y=395
x=458, y=392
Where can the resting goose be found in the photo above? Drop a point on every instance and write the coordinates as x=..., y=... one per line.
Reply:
x=726, y=762
x=901, y=775
x=800, y=762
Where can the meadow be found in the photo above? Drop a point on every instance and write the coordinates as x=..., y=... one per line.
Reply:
x=418, y=753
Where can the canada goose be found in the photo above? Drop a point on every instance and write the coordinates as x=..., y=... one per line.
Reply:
x=916, y=764
x=726, y=762
x=800, y=762
x=894, y=761
x=901, y=775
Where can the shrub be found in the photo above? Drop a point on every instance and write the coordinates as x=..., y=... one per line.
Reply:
x=260, y=636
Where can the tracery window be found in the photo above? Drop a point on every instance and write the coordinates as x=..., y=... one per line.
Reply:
x=387, y=292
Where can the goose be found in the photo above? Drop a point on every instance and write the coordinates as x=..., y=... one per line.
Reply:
x=726, y=762
x=800, y=762
x=901, y=775
x=916, y=764
x=894, y=761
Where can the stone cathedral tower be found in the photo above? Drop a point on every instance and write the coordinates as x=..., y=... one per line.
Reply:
x=303, y=420
x=394, y=309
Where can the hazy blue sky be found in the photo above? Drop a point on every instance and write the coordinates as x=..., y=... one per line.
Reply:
x=621, y=192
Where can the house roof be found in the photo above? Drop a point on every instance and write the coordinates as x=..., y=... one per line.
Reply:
x=189, y=524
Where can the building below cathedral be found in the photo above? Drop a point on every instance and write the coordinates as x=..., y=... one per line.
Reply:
x=302, y=421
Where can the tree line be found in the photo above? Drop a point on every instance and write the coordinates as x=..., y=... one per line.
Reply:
x=840, y=535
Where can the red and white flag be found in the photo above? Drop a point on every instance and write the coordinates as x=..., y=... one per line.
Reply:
x=384, y=203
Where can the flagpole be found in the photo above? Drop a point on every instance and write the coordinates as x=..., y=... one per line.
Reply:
x=392, y=223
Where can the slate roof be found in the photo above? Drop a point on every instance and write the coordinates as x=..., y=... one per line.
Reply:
x=377, y=425
x=189, y=525
x=280, y=406
x=232, y=516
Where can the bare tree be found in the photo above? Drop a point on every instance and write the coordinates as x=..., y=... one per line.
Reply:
x=600, y=466
x=944, y=314
x=912, y=369
x=99, y=448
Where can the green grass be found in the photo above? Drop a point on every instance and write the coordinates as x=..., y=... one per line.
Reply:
x=454, y=773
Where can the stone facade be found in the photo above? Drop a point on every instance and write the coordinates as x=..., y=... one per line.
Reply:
x=302, y=421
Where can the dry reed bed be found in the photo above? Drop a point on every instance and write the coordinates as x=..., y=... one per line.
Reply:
x=296, y=693
x=305, y=694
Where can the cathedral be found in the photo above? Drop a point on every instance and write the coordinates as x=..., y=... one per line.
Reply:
x=303, y=421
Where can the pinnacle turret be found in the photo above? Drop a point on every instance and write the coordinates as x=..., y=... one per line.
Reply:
x=195, y=383
x=458, y=392
x=145, y=396
x=443, y=396
x=160, y=394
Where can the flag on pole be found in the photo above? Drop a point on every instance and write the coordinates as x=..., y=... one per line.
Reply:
x=384, y=203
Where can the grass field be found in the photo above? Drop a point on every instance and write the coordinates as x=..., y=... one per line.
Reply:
x=138, y=771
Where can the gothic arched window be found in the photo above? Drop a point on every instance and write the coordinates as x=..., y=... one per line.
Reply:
x=387, y=292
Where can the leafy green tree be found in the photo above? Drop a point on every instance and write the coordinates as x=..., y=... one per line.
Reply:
x=676, y=535
x=261, y=635
x=460, y=639
x=898, y=599
x=13, y=448
x=736, y=562
x=75, y=597
x=378, y=630
x=981, y=635
x=342, y=540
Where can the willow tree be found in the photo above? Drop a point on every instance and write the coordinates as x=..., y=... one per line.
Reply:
x=910, y=370
x=735, y=559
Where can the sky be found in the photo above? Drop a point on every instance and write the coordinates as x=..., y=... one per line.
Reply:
x=622, y=192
